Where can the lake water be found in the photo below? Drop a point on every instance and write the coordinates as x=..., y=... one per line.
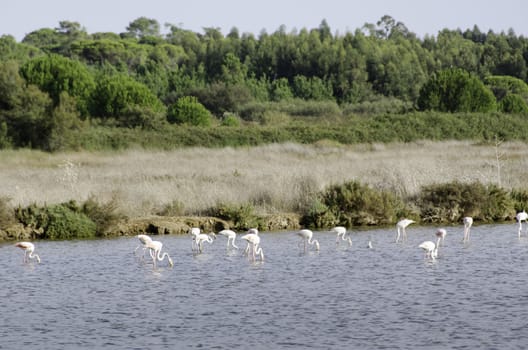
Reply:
x=97, y=294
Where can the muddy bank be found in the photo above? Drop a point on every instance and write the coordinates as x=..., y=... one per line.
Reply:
x=162, y=225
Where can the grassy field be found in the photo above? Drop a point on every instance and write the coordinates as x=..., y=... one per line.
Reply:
x=274, y=178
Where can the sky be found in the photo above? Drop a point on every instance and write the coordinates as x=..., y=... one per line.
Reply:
x=423, y=17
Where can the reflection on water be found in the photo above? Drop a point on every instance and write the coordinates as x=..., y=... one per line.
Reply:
x=95, y=294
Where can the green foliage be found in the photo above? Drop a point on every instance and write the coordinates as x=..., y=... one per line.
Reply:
x=355, y=204
x=513, y=103
x=455, y=90
x=66, y=124
x=450, y=202
x=187, y=110
x=104, y=215
x=61, y=221
x=242, y=216
x=56, y=74
x=230, y=119
x=504, y=85
x=520, y=199
x=220, y=97
x=64, y=223
x=116, y=94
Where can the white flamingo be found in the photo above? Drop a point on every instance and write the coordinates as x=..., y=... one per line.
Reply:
x=468, y=222
x=194, y=232
x=155, y=252
x=431, y=248
x=202, y=237
x=29, y=249
x=251, y=231
x=144, y=240
x=342, y=235
x=521, y=216
x=231, y=236
x=441, y=233
x=253, y=240
x=400, y=226
x=306, y=238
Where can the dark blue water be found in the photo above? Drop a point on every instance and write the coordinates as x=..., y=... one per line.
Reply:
x=98, y=294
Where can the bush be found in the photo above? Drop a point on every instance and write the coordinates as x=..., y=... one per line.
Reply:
x=187, y=110
x=242, y=216
x=456, y=90
x=64, y=223
x=103, y=215
x=450, y=202
x=354, y=204
x=513, y=103
x=61, y=221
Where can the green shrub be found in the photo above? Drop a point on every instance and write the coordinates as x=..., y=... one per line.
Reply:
x=230, y=119
x=64, y=223
x=513, y=103
x=456, y=90
x=187, y=110
x=241, y=215
x=450, y=202
x=354, y=204
x=520, y=199
x=61, y=221
x=104, y=215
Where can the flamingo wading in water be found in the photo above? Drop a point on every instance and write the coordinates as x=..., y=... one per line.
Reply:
x=521, y=216
x=342, y=235
x=468, y=222
x=155, y=252
x=29, y=249
x=430, y=248
x=202, y=237
x=144, y=240
x=441, y=233
x=231, y=236
x=253, y=245
x=306, y=238
x=401, y=226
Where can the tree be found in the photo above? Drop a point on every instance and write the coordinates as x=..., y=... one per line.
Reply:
x=187, y=110
x=143, y=27
x=456, y=90
x=116, y=94
x=55, y=74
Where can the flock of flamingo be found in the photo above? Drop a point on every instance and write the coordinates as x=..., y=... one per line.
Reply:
x=254, y=251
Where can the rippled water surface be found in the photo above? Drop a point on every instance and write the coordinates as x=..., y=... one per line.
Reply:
x=98, y=294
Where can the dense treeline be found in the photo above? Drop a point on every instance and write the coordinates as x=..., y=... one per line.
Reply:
x=63, y=88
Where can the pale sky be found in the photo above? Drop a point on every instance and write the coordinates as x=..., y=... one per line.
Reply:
x=20, y=17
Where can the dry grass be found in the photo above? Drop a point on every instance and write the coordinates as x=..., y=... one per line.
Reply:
x=279, y=177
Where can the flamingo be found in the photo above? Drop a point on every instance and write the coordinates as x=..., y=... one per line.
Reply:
x=253, y=240
x=155, y=252
x=441, y=233
x=468, y=221
x=341, y=235
x=28, y=248
x=306, y=237
x=401, y=225
x=430, y=248
x=521, y=216
x=195, y=231
x=231, y=236
x=251, y=231
x=144, y=240
x=202, y=237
